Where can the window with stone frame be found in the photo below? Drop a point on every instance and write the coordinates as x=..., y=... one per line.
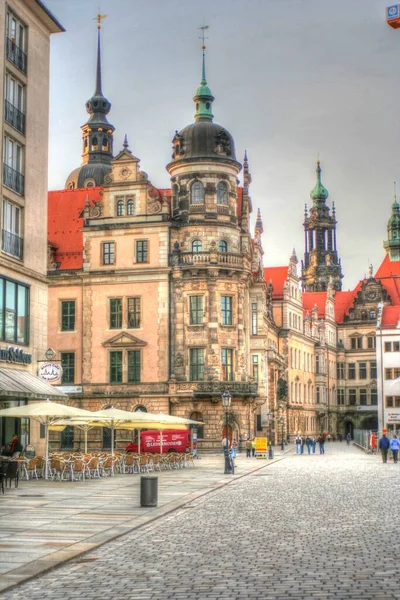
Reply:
x=226, y=310
x=340, y=397
x=392, y=373
x=142, y=251
x=373, y=370
x=255, y=367
x=374, y=396
x=68, y=367
x=222, y=193
x=227, y=364
x=116, y=366
x=340, y=371
x=196, y=310
x=356, y=342
x=392, y=346
x=363, y=397
x=318, y=394
x=68, y=315
x=115, y=313
x=352, y=397
x=197, y=193
x=120, y=207
x=134, y=313
x=196, y=364
x=351, y=370
x=130, y=207
x=14, y=311
x=371, y=342
x=223, y=246
x=197, y=246
x=108, y=253
x=254, y=318
x=362, y=370
x=134, y=366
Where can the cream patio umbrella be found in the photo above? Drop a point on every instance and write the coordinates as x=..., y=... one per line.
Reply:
x=46, y=413
x=84, y=425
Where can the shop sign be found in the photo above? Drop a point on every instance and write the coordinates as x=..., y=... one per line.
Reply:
x=261, y=446
x=50, y=371
x=15, y=355
x=69, y=389
x=393, y=417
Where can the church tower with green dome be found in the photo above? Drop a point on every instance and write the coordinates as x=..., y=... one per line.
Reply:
x=392, y=244
x=211, y=259
x=321, y=264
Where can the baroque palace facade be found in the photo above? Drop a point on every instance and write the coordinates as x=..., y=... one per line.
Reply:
x=159, y=299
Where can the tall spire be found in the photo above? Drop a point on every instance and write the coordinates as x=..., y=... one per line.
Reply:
x=319, y=191
x=98, y=91
x=203, y=96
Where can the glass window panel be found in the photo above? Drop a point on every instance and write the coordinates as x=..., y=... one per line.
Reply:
x=22, y=315
x=2, y=299
x=11, y=311
x=116, y=367
x=134, y=366
x=134, y=313
x=68, y=366
x=115, y=313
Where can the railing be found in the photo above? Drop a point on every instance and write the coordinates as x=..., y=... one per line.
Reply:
x=228, y=258
x=16, y=55
x=12, y=244
x=241, y=388
x=14, y=116
x=13, y=179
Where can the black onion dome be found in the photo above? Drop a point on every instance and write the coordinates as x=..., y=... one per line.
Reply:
x=91, y=172
x=203, y=140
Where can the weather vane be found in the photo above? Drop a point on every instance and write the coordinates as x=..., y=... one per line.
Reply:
x=203, y=36
x=99, y=19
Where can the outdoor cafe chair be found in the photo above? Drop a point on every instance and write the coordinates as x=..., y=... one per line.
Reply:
x=58, y=468
x=145, y=463
x=92, y=467
x=189, y=459
x=107, y=466
x=10, y=472
x=77, y=470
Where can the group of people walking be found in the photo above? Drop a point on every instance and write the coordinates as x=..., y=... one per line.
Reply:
x=310, y=442
x=385, y=445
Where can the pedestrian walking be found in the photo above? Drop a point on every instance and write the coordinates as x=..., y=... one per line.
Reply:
x=308, y=444
x=253, y=447
x=234, y=449
x=384, y=446
x=303, y=441
x=348, y=438
x=298, y=442
x=340, y=437
x=321, y=442
x=314, y=444
x=394, y=446
x=248, y=448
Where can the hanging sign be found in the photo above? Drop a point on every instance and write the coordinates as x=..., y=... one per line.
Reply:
x=50, y=371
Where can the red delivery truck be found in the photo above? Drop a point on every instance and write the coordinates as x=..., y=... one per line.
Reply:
x=173, y=440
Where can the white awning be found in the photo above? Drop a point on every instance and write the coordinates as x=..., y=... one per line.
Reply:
x=15, y=383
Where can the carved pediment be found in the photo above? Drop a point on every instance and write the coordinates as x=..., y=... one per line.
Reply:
x=124, y=340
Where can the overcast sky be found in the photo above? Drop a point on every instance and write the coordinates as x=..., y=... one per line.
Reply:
x=292, y=79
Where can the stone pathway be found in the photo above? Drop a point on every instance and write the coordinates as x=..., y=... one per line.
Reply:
x=305, y=527
x=44, y=524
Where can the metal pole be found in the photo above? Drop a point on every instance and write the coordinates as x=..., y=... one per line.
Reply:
x=282, y=442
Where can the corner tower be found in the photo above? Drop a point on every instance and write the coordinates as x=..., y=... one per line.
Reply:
x=97, y=135
x=321, y=263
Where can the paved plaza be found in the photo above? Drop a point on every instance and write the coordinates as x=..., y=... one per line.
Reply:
x=303, y=527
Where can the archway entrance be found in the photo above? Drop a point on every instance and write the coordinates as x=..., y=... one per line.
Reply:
x=349, y=428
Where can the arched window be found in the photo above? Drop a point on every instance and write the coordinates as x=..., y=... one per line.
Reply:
x=120, y=208
x=223, y=246
x=89, y=183
x=197, y=193
x=222, y=193
x=197, y=416
x=197, y=246
x=105, y=143
x=140, y=408
x=130, y=207
x=94, y=142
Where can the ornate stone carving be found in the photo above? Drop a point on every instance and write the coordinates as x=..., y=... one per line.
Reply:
x=222, y=143
x=96, y=210
x=178, y=145
x=125, y=173
x=108, y=179
x=179, y=362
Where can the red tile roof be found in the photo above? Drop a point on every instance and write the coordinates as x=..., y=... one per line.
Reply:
x=310, y=299
x=278, y=276
x=65, y=222
x=344, y=301
x=388, y=268
x=391, y=316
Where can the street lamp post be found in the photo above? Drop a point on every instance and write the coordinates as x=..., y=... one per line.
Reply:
x=226, y=403
x=282, y=440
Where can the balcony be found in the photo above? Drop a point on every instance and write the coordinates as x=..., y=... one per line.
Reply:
x=12, y=244
x=216, y=388
x=206, y=258
x=16, y=55
x=13, y=179
x=14, y=116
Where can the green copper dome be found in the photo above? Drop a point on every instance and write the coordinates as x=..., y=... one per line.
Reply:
x=319, y=191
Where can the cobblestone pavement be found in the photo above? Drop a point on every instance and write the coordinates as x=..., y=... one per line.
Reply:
x=304, y=527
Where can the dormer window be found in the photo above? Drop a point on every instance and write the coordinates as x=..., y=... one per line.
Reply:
x=197, y=193
x=222, y=193
x=197, y=246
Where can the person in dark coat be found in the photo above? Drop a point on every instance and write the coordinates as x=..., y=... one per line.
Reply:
x=321, y=442
x=14, y=447
x=384, y=446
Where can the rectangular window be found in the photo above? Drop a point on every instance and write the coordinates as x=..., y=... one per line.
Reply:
x=196, y=359
x=108, y=253
x=356, y=343
x=68, y=315
x=259, y=425
x=116, y=367
x=134, y=313
x=374, y=396
x=396, y=346
x=352, y=397
x=363, y=370
x=13, y=165
x=14, y=312
x=11, y=234
x=340, y=370
x=373, y=370
x=352, y=370
x=16, y=42
x=318, y=399
x=142, y=251
x=226, y=310
x=392, y=373
x=340, y=397
x=254, y=324
x=389, y=402
x=227, y=364
x=196, y=309
x=371, y=342
x=115, y=313
x=388, y=346
x=134, y=366
x=363, y=397
x=14, y=103
x=68, y=367
x=255, y=367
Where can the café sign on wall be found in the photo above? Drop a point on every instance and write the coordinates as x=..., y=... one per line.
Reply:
x=15, y=355
x=50, y=371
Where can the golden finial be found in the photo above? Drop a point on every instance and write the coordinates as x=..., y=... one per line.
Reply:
x=99, y=19
x=318, y=159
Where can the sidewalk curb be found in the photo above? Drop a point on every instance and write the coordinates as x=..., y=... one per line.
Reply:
x=40, y=566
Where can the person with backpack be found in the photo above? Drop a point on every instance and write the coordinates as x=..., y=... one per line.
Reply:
x=384, y=446
x=394, y=446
